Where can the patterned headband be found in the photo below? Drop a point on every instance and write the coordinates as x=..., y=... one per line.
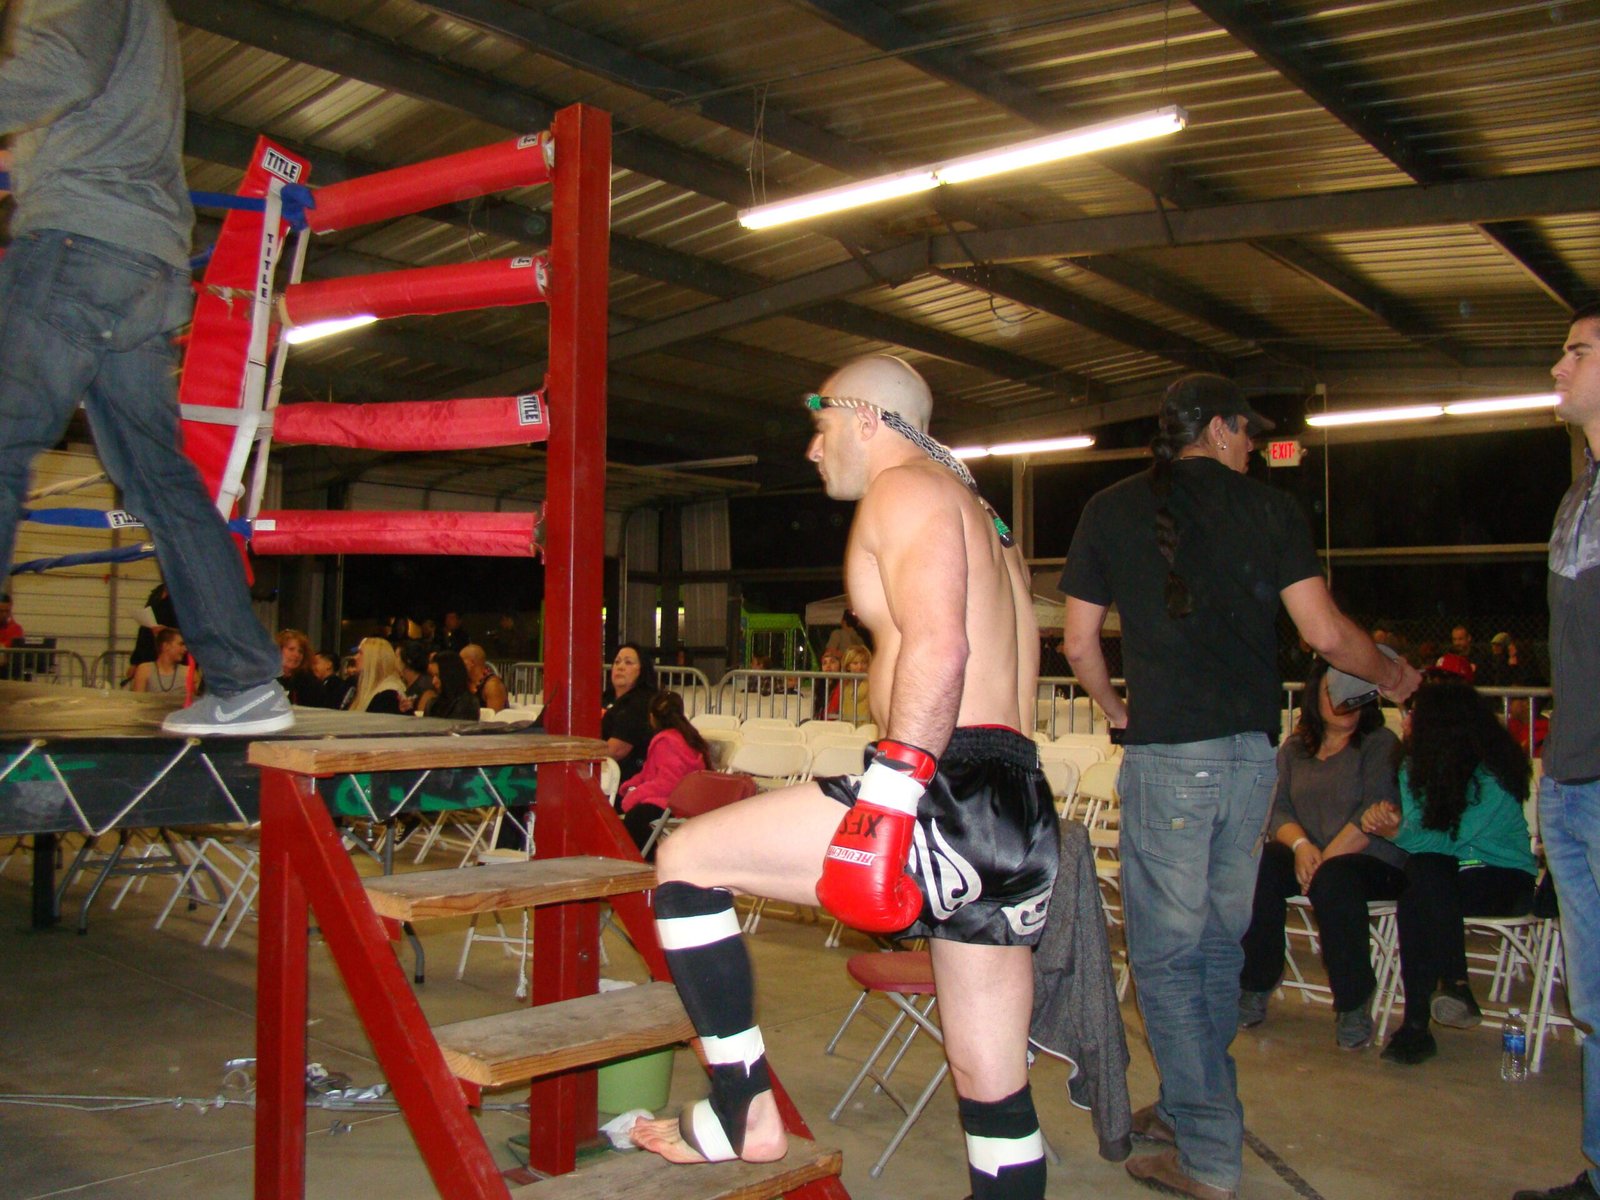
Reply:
x=936, y=450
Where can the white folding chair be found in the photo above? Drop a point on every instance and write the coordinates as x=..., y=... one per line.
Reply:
x=232, y=859
x=774, y=764
x=771, y=729
x=706, y=721
x=1519, y=949
x=1383, y=945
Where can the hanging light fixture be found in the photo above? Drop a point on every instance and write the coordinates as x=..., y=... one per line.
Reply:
x=1051, y=148
x=1038, y=446
x=1427, y=412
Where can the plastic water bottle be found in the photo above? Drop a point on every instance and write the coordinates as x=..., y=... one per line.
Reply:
x=1514, y=1047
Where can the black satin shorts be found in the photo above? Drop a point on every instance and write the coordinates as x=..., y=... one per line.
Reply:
x=985, y=848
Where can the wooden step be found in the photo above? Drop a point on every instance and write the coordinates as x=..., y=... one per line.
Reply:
x=647, y=1175
x=455, y=893
x=347, y=756
x=517, y=1046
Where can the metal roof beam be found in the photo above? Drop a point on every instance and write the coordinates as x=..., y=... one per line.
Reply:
x=1377, y=304
x=1191, y=302
x=1383, y=124
x=356, y=54
x=1542, y=194
x=359, y=55
x=889, y=267
x=220, y=142
x=577, y=48
x=889, y=32
x=586, y=52
x=1058, y=302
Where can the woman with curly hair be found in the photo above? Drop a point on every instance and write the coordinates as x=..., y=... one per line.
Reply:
x=1462, y=783
x=297, y=679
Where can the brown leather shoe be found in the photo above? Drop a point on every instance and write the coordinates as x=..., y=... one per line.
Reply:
x=1162, y=1173
x=1149, y=1127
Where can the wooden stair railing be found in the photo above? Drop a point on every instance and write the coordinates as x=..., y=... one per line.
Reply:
x=436, y=1075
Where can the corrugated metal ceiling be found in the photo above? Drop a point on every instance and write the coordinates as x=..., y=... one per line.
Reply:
x=1286, y=99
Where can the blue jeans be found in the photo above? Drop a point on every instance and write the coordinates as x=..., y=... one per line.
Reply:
x=1192, y=820
x=1569, y=822
x=85, y=321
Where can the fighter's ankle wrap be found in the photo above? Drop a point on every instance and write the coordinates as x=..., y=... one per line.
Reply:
x=1005, y=1151
x=701, y=938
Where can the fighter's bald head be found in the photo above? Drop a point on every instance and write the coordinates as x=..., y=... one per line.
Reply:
x=885, y=381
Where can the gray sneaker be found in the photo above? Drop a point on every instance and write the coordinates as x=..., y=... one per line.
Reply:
x=1252, y=1009
x=1353, y=1029
x=261, y=709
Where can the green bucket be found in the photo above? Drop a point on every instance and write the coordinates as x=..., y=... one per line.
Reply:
x=642, y=1081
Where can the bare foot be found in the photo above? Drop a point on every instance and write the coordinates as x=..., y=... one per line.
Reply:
x=764, y=1139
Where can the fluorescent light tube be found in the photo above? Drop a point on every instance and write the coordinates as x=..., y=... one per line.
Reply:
x=1038, y=446
x=1373, y=416
x=296, y=335
x=1053, y=147
x=851, y=195
x=1044, y=445
x=1050, y=148
x=1501, y=404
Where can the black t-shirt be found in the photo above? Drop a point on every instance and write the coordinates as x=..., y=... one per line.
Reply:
x=1214, y=672
x=628, y=720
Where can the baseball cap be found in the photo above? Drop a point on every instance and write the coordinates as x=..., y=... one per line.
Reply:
x=1195, y=398
x=1500, y=639
x=1458, y=665
x=1347, y=692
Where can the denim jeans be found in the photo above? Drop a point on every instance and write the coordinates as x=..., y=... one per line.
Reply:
x=1192, y=820
x=85, y=321
x=1569, y=822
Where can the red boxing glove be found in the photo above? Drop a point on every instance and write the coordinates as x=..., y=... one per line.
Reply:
x=864, y=879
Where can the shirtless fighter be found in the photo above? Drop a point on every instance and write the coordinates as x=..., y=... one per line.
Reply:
x=948, y=833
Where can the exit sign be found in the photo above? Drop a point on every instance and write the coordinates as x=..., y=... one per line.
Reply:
x=1285, y=452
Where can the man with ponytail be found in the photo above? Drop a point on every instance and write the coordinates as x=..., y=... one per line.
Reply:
x=1197, y=557
x=949, y=832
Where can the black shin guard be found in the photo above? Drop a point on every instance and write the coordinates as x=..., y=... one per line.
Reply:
x=1005, y=1151
x=704, y=948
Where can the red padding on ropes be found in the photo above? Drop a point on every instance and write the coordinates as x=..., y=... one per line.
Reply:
x=518, y=163
x=422, y=291
x=479, y=534
x=421, y=425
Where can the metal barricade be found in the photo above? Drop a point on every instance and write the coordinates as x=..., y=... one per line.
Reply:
x=524, y=681
x=690, y=683
x=31, y=664
x=110, y=668
x=792, y=696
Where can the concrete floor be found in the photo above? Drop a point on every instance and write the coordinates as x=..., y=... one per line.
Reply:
x=128, y=1011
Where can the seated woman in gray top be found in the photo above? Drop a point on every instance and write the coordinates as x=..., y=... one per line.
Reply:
x=1334, y=766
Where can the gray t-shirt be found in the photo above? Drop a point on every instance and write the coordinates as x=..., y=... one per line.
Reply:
x=1572, y=751
x=1322, y=796
x=93, y=91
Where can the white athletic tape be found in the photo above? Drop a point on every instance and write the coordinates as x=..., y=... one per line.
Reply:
x=744, y=1048
x=706, y=1133
x=989, y=1154
x=685, y=933
x=887, y=788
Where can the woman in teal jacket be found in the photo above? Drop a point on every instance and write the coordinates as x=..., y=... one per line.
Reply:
x=1462, y=782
